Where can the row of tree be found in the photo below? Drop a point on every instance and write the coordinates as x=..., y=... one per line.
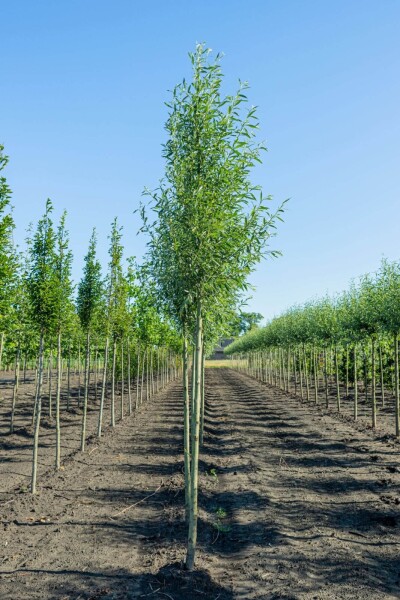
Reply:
x=43, y=316
x=349, y=338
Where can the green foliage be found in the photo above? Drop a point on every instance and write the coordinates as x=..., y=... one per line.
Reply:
x=369, y=310
x=90, y=289
x=42, y=277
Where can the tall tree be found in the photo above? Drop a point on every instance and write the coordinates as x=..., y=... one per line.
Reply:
x=42, y=283
x=212, y=223
x=90, y=292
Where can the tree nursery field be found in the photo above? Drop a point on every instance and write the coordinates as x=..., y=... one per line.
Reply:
x=130, y=466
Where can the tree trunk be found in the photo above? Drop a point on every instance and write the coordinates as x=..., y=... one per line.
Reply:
x=381, y=373
x=195, y=430
x=122, y=381
x=373, y=383
x=326, y=378
x=202, y=396
x=315, y=376
x=58, y=395
x=15, y=387
x=37, y=416
x=129, y=378
x=355, y=383
x=86, y=393
x=337, y=379
x=103, y=388
x=396, y=384
x=49, y=381
x=114, y=359
x=1, y=349
x=186, y=428
x=137, y=379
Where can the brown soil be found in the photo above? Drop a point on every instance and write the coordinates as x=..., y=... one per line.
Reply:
x=294, y=504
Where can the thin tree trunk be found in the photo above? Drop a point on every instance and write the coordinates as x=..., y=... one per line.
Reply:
x=122, y=381
x=114, y=359
x=86, y=393
x=193, y=513
x=326, y=378
x=381, y=373
x=202, y=397
x=355, y=382
x=186, y=429
x=15, y=387
x=337, y=379
x=49, y=380
x=58, y=394
x=129, y=378
x=396, y=384
x=137, y=379
x=37, y=416
x=1, y=349
x=373, y=383
x=103, y=388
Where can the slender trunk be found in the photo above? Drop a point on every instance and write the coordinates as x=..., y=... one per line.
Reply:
x=193, y=513
x=1, y=349
x=37, y=416
x=129, y=378
x=301, y=373
x=337, y=379
x=347, y=371
x=58, y=395
x=373, y=383
x=355, y=382
x=86, y=393
x=381, y=373
x=49, y=380
x=186, y=429
x=396, y=384
x=69, y=378
x=79, y=375
x=142, y=380
x=315, y=376
x=15, y=388
x=326, y=378
x=137, y=379
x=122, y=381
x=96, y=373
x=306, y=374
x=114, y=358
x=202, y=396
x=103, y=388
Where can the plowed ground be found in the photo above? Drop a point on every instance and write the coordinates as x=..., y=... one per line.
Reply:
x=295, y=504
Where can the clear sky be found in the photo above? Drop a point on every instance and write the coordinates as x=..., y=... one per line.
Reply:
x=82, y=91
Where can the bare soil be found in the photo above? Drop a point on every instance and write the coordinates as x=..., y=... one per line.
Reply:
x=295, y=503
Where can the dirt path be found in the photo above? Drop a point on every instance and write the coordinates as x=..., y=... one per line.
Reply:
x=294, y=504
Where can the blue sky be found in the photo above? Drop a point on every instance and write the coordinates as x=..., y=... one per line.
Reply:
x=82, y=91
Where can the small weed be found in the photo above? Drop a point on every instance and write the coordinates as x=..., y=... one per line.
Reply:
x=221, y=527
x=213, y=473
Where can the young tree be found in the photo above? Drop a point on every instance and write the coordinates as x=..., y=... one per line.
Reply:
x=42, y=284
x=64, y=288
x=212, y=223
x=90, y=292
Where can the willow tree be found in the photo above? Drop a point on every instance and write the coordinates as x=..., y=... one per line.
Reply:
x=42, y=283
x=90, y=291
x=212, y=223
